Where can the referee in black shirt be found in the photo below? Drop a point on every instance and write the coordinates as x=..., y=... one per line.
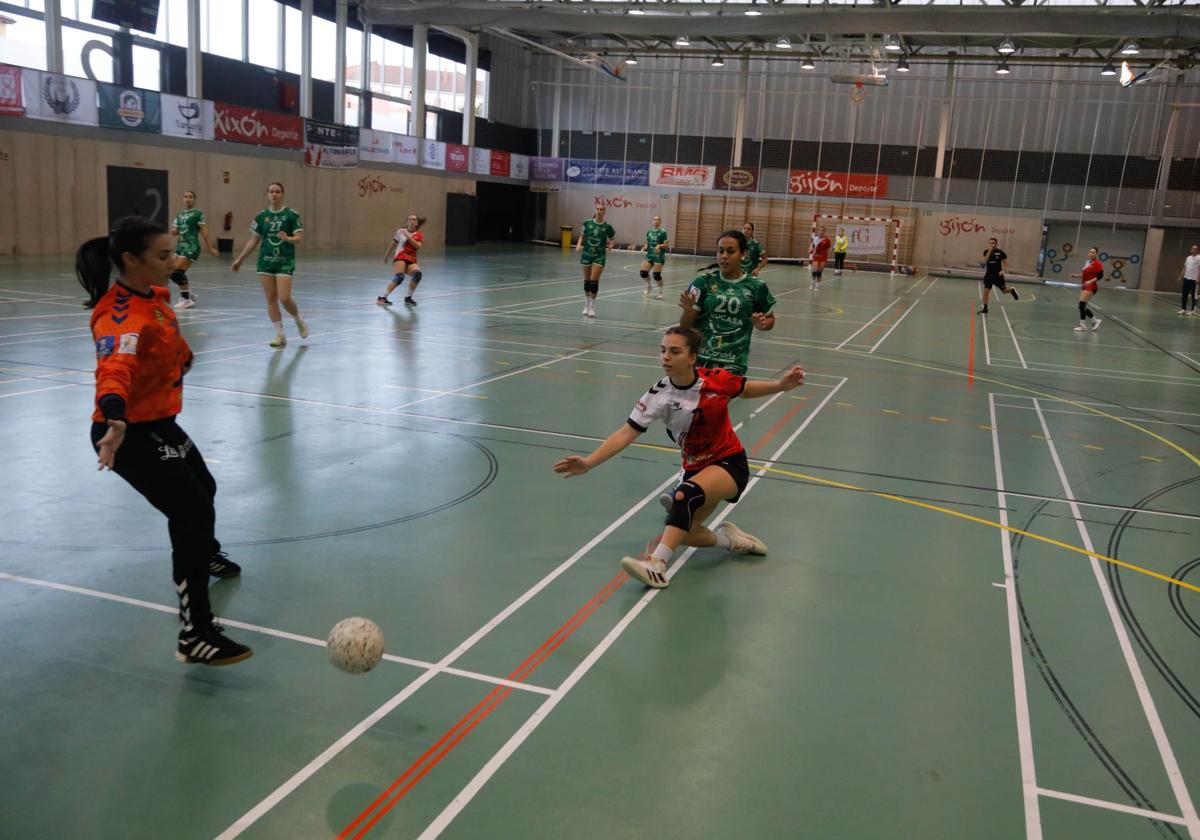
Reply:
x=995, y=263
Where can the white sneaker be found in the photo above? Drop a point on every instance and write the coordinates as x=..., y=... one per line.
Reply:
x=1082, y=327
x=591, y=313
x=1180, y=312
x=587, y=309
x=646, y=291
x=303, y=327
x=184, y=303
x=650, y=572
x=1096, y=324
x=659, y=296
x=743, y=543
x=279, y=341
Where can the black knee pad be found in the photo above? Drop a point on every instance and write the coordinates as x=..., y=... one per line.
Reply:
x=658, y=277
x=686, y=500
x=645, y=275
x=178, y=277
x=591, y=286
x=416, y=277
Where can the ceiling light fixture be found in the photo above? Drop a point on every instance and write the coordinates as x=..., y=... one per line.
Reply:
x=718, y=61
x=682, y=41
x=807, y=63
x=902, y=65
x=1007, y=47
x=1108, y=70
x=783, y=43
x=1130, y=48
x=892, y=44
x=753, y=12
x=631, y=59
x=1002, y=69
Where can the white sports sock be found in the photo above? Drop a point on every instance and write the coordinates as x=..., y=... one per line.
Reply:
x=723, y=541
x=278, y=325
x=661, y=554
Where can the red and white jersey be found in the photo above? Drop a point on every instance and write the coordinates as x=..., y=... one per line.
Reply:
x=820, y=249
x=697, y=418
x=1093, y=270
x=404, y=238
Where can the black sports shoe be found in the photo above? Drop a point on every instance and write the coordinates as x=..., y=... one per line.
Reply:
x=221, y=566
x=410, y=302
x=982, y=311
x=1014, y=294
x=382, y=301
x=210, y=647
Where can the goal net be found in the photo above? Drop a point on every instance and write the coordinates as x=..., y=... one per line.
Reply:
x=874, y=240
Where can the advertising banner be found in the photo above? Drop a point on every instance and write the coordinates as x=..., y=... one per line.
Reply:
x=406, y=149
x=628, y=210
x=681, y=175
x=375, y=146
x=330, y=134
x=458, y=157
x=865, y=239
x=500, y=163
x=51, y=96
x=815, y=182
x=330, y=157
x=613, y=172
x=186, y=117
x=130, y=108
x=738, y=178
x=518, y=167
x=261, y=128
x=958, y=240
x=481, y=161
x=433, y=154
x=10, y=91
x=547, y=169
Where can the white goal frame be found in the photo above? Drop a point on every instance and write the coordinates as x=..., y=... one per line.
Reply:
x=885, y=219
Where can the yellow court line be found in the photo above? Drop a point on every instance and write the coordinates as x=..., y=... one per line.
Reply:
x=1063, y=400
x=989, y=523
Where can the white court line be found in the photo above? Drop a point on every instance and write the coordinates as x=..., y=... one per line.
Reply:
x=1016, y=344
x=1033, y=816
x=488, y=381
x=266, y=631
x=883, y=338
x=1170, y=764
x=1158, y=380
x=280, y=793
x=1089, y=414
x=864, y=326
x=434, y=391
x=1112, y=806
x=1185, y=357
x=1137, y=373
x=37, y=390
x=464, y=796
x=930, y=286
x=1109, y=405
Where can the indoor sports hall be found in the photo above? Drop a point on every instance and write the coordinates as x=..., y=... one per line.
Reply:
x=399, y=275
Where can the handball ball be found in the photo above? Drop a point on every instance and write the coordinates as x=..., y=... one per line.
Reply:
x=355, y=645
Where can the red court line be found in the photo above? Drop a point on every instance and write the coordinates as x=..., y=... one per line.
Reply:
x=971, y=350
x=774, y=430
x=391, y=797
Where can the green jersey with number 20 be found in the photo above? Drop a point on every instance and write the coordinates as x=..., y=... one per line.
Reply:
x=725, y=308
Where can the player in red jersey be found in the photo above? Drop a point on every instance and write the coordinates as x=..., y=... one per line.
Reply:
x=141, y=359
x=693, y=404
x=1089, y=278
x=819, y=256
x=405, y=242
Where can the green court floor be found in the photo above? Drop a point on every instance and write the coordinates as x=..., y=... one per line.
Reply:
x=979, y=616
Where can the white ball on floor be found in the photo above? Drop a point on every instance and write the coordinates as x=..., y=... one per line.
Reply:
x=355, y=645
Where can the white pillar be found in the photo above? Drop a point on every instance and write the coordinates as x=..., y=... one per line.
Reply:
x=281, y=62
x=944, y=120
x=306, y=16
x=420, y=43
x=245, y=31
x=194, y=87
x=556, y=124
x=739, y=121
x=54, y=49
x=339, y=71
x=364, y=78
x=471, y=42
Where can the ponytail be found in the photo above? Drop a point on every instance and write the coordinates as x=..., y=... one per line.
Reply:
x=95, y=258
x=420, y=222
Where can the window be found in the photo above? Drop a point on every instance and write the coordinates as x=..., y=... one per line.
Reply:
x=389, y=116
x=146, y=71
x=351, y=109
x=264, y=33
x=291, y=44
x=23, y=42
x=353, y=57
x=172, y=15
x=221, y=28
x=99, y=54
x=324, y=48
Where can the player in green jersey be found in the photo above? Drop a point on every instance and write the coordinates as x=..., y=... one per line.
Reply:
x=279, y=229
x=755, y=259
x=595, y=240
x=656, y=255
x=727, y=305
x=190, y=227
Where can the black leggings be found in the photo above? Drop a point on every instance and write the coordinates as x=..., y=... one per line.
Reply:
x=1189, y=290
x=160, y=461
x=839, y=259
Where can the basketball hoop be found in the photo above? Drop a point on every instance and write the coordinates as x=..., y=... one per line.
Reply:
x=858, y=93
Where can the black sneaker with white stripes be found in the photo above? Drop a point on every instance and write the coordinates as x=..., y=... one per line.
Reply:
x=210, y=647
x=222, y=567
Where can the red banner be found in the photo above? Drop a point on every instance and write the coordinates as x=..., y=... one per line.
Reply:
x=10, y=91
x=737, y=178
x=458, y=158
x=263, y=128
x=501, y=163
x=815, y=182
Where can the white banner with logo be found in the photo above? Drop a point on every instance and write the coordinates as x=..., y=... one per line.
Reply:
x=481, y=161
x=433, y=154
x=330, y=157
x=684, y=175
x=51, y=96
x=186, y=117
x=865, y=239
x=407, y=149
x=375, y=146
x=628, y=209
x=519, y=167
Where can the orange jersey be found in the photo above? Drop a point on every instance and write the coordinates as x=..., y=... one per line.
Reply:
x=406, y=251
x=140, y=353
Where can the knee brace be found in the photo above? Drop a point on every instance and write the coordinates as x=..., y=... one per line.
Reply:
x=658, y=277
x=416, y=277
x=645, y=275
x=686, y=500
x=1083, y=308
x=592, y=287
x=178, y=277
x=398, y=277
